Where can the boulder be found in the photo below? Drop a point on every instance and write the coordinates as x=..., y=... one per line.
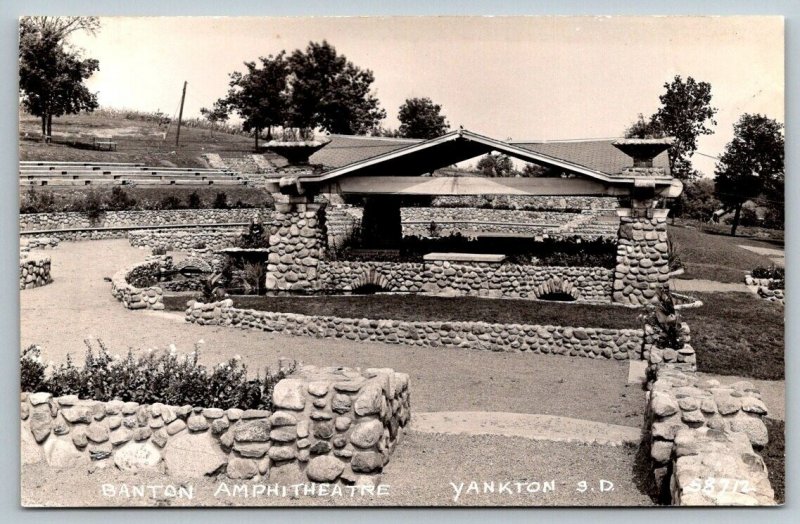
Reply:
x=324, y=469
x=288, y=394
x=192, y=455
x=367, y=434
x=241, y=468
x=137, y=456
x=61, y=453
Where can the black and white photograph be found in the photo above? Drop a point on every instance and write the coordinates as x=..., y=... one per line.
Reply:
x=401, y=261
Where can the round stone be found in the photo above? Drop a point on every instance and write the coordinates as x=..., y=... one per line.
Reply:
x=324, y=469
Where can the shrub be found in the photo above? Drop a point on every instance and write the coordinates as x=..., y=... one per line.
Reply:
x=159, y=250
x=212, y=289
x=120, y=200
x=254, y=275
x=31, y=369
x=665, y=321
x=155, y=376
x=769, y=272
x=220, y=201
x=255, y=237
x=92, y=206
x=194, y=201
x=777, y=284
x=37, y=201
x=199, y=245
x=170, y=202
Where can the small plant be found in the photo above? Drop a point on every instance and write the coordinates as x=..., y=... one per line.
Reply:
x=665, y=321
x=93, y=207
x=37, y=201
x=170, y=202
x=120, y=200
x=777, y=284
x=154, y=376
x=673, y=254
x=159, y=250
x=254, y=275
x=212, y=289
x=199, y=245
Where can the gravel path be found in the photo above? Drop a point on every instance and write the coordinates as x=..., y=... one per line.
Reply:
x=78, y=304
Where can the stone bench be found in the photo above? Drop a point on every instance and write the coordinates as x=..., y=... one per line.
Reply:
x=465, y=257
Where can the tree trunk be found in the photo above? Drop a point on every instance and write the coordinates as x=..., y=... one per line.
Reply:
x=736, y=215
x=255, y=134
x=44, y=128
x=269, y=133
x=50, y=127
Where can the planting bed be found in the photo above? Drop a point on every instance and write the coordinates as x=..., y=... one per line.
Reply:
x=444, y=309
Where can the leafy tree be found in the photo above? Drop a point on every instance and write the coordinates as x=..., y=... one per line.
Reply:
x=216, y=115
x=51, y=75
x=684, y=114
x=220, y=201
x=697, y=201
x=496, y=166
x=535, y=170
x=644, y=128
x=421, y=118
x=259, y=95
x=329, y=92
x=194, y=201
x=752, y=163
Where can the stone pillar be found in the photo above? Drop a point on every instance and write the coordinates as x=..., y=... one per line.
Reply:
x=642, y=255
x=298, y=240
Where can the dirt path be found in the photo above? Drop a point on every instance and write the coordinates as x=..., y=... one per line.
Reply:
x=426, y=470
x=78, y=304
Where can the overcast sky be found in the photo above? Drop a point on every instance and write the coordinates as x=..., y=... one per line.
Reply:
x=538, y=78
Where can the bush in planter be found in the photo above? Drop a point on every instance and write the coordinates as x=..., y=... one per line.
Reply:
x=769, y=272
x=665, y=321
x=153, y=377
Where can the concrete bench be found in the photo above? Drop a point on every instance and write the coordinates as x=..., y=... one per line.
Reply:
x=465, y=257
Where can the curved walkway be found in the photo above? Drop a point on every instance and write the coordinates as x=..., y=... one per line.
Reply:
x=79, y=305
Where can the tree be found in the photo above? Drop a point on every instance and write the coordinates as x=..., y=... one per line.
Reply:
x=218, y=113
x=535, y=170
x=697, y=200
x=496, y=166
x=51, y=76
x=421, y=118
x=329, y=92
x=60, y=27
x=752, y=163
x=644, y=128
x=260, y=95
x=684, y=114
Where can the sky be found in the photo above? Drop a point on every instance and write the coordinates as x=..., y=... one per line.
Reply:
x=520, y=78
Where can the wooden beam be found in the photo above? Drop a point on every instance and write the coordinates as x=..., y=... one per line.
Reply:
x=404, y=185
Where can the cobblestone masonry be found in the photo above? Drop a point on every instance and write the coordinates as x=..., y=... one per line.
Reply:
x=184, y=240
x=472, y=221
x=136, y=286
x=701, y=434
x=333, y=424
x=642, y=258
x=585, y=284
x=37, y=221
x=619, y=344
x=34, y=272
x=529, y=202
x=297, y=243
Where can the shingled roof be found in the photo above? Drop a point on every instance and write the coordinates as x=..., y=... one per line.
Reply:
x=597, y=155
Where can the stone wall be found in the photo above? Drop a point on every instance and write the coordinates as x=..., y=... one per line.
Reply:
x=701, y=434
x=45, y=221
x=184, y=240
x=529, y=202
x=585, y=284
x=136, y=285
x=332, y=424
x=619, y=344
x=34, y=272
x=642, y=257
x=472, y=221
x=297, y=243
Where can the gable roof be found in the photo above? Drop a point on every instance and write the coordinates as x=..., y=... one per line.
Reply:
x=381, y=156
x=598, y=155
x=344, y=150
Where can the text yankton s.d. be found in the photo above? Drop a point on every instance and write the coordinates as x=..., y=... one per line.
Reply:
x=526, y=487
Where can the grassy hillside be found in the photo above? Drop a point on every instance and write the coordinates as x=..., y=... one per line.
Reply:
x=140, y=137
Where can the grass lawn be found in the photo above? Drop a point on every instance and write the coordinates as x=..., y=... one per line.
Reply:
x=715, y=256
x=447, y=309
x=774, y=455
x=738, y=334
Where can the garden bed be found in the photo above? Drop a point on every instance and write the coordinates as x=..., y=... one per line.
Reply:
x=444, y=309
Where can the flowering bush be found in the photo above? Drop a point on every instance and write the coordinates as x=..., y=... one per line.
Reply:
x=665, y=321
x=775, y=272
x=154, y=376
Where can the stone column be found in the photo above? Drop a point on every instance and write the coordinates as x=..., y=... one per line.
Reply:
x=298, y=240
x=642, y=255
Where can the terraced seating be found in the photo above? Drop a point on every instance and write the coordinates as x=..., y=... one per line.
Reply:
x=84, y=173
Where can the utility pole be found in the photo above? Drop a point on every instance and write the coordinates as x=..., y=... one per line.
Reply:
x=180, y=115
